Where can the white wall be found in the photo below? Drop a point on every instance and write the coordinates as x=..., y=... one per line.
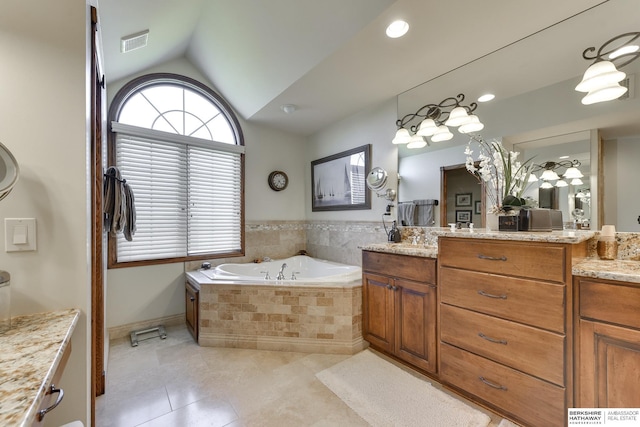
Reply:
x=143, y=293
x=375, y=126
x=43, y=121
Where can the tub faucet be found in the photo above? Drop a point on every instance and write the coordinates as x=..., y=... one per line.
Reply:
x=281, y=272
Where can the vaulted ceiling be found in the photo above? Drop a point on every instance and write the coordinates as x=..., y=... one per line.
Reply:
x=332, y=58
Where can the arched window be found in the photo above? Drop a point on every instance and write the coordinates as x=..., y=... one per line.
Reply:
x=181, y=150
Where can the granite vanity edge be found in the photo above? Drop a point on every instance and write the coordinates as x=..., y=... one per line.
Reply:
x=402, y=249
x=21, y=402
x=523, y=236
x=617, y=269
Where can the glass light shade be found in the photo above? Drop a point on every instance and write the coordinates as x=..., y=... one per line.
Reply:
x=624, y=50
x=580, y=195
x=402, y=136
x=599, y=75
x=442, y=134
x=473, y=125
x=427, y=128
x=573, y=172
x=532, y=177
x=417, y=142
x=562, y=183
x=608, y=93
x=457, y=117
x=576, y=181
x=546, y=185
x=549, y=175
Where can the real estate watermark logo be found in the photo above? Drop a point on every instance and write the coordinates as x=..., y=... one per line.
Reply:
x=615, y=417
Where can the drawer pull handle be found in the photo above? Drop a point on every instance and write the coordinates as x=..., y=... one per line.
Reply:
x=492, y=258
x=395, y=288
x=52, y=390
x=490, y=384
x=484, y=294
x=389, y=286
x=493, y=340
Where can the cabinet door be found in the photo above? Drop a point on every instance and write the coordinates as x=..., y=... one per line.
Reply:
x=378, y=311
x=191, y=309
x=609, y=366
x=416, y=323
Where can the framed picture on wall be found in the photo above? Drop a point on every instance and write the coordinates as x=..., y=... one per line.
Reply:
x=463, y=216
x=463, y=199
x=338, y=181
x=478, y=207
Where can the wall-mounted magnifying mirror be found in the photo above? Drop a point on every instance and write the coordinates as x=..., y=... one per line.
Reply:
x=9, y=171
x=377, y=180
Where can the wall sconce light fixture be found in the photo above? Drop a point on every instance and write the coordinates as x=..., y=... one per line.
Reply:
x=602, y=79
x=549, y=173
x=435, y=120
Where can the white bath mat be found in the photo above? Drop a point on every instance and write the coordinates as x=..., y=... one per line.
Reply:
x=384, y=395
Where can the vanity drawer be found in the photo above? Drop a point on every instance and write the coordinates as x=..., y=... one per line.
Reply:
x=419, y=269
x=610, y=302
x=538, y=304
x=531, y=350
x=530, y=260
x=533, y=401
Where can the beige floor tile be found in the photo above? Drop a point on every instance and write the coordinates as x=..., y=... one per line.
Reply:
x=205, y=412
x=135, y=410
x=175, y=383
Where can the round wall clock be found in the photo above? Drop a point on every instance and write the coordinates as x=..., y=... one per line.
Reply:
x=278, y=180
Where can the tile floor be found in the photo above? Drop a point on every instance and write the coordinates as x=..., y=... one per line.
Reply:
x=174, y=382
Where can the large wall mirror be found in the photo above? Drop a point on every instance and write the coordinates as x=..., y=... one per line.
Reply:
x=538, y=112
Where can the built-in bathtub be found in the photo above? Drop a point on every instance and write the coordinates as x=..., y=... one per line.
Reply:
x=317, y=311
x=299, y=269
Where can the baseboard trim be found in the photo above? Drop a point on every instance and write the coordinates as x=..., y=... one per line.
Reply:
x=282, y=343
x=125, y=330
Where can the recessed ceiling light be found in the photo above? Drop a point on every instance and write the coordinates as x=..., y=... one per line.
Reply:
x=486, y=97
x=289, y=108
x=563, y=157
x=397, y=29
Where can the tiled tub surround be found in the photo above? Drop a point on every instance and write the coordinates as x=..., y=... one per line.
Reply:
x=309, y=318
x=30, y=353
x=337, y=241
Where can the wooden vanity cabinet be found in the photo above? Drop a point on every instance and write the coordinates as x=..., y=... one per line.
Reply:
x=505, y=331
x=607, y=343
x=49, y=402
x=192, y=302
x=399, y=307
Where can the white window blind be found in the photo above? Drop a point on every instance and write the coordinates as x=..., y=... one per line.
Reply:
x=188, y=197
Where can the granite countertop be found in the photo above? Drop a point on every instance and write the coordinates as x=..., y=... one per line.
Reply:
x=403, y=249
x=30, y=353
x=523, y=236
x=618, y=269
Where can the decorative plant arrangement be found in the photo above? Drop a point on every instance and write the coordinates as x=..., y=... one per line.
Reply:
x=504, y=176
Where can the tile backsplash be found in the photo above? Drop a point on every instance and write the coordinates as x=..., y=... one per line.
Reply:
x=337, y=241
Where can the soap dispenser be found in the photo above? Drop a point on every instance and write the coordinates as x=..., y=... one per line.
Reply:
x=394, y=234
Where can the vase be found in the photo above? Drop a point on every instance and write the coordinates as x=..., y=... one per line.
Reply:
x=491, y=222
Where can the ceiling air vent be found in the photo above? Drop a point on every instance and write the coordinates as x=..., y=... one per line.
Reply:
x=134, y=41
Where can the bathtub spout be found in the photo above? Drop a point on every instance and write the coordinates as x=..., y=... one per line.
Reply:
x=281, y=273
